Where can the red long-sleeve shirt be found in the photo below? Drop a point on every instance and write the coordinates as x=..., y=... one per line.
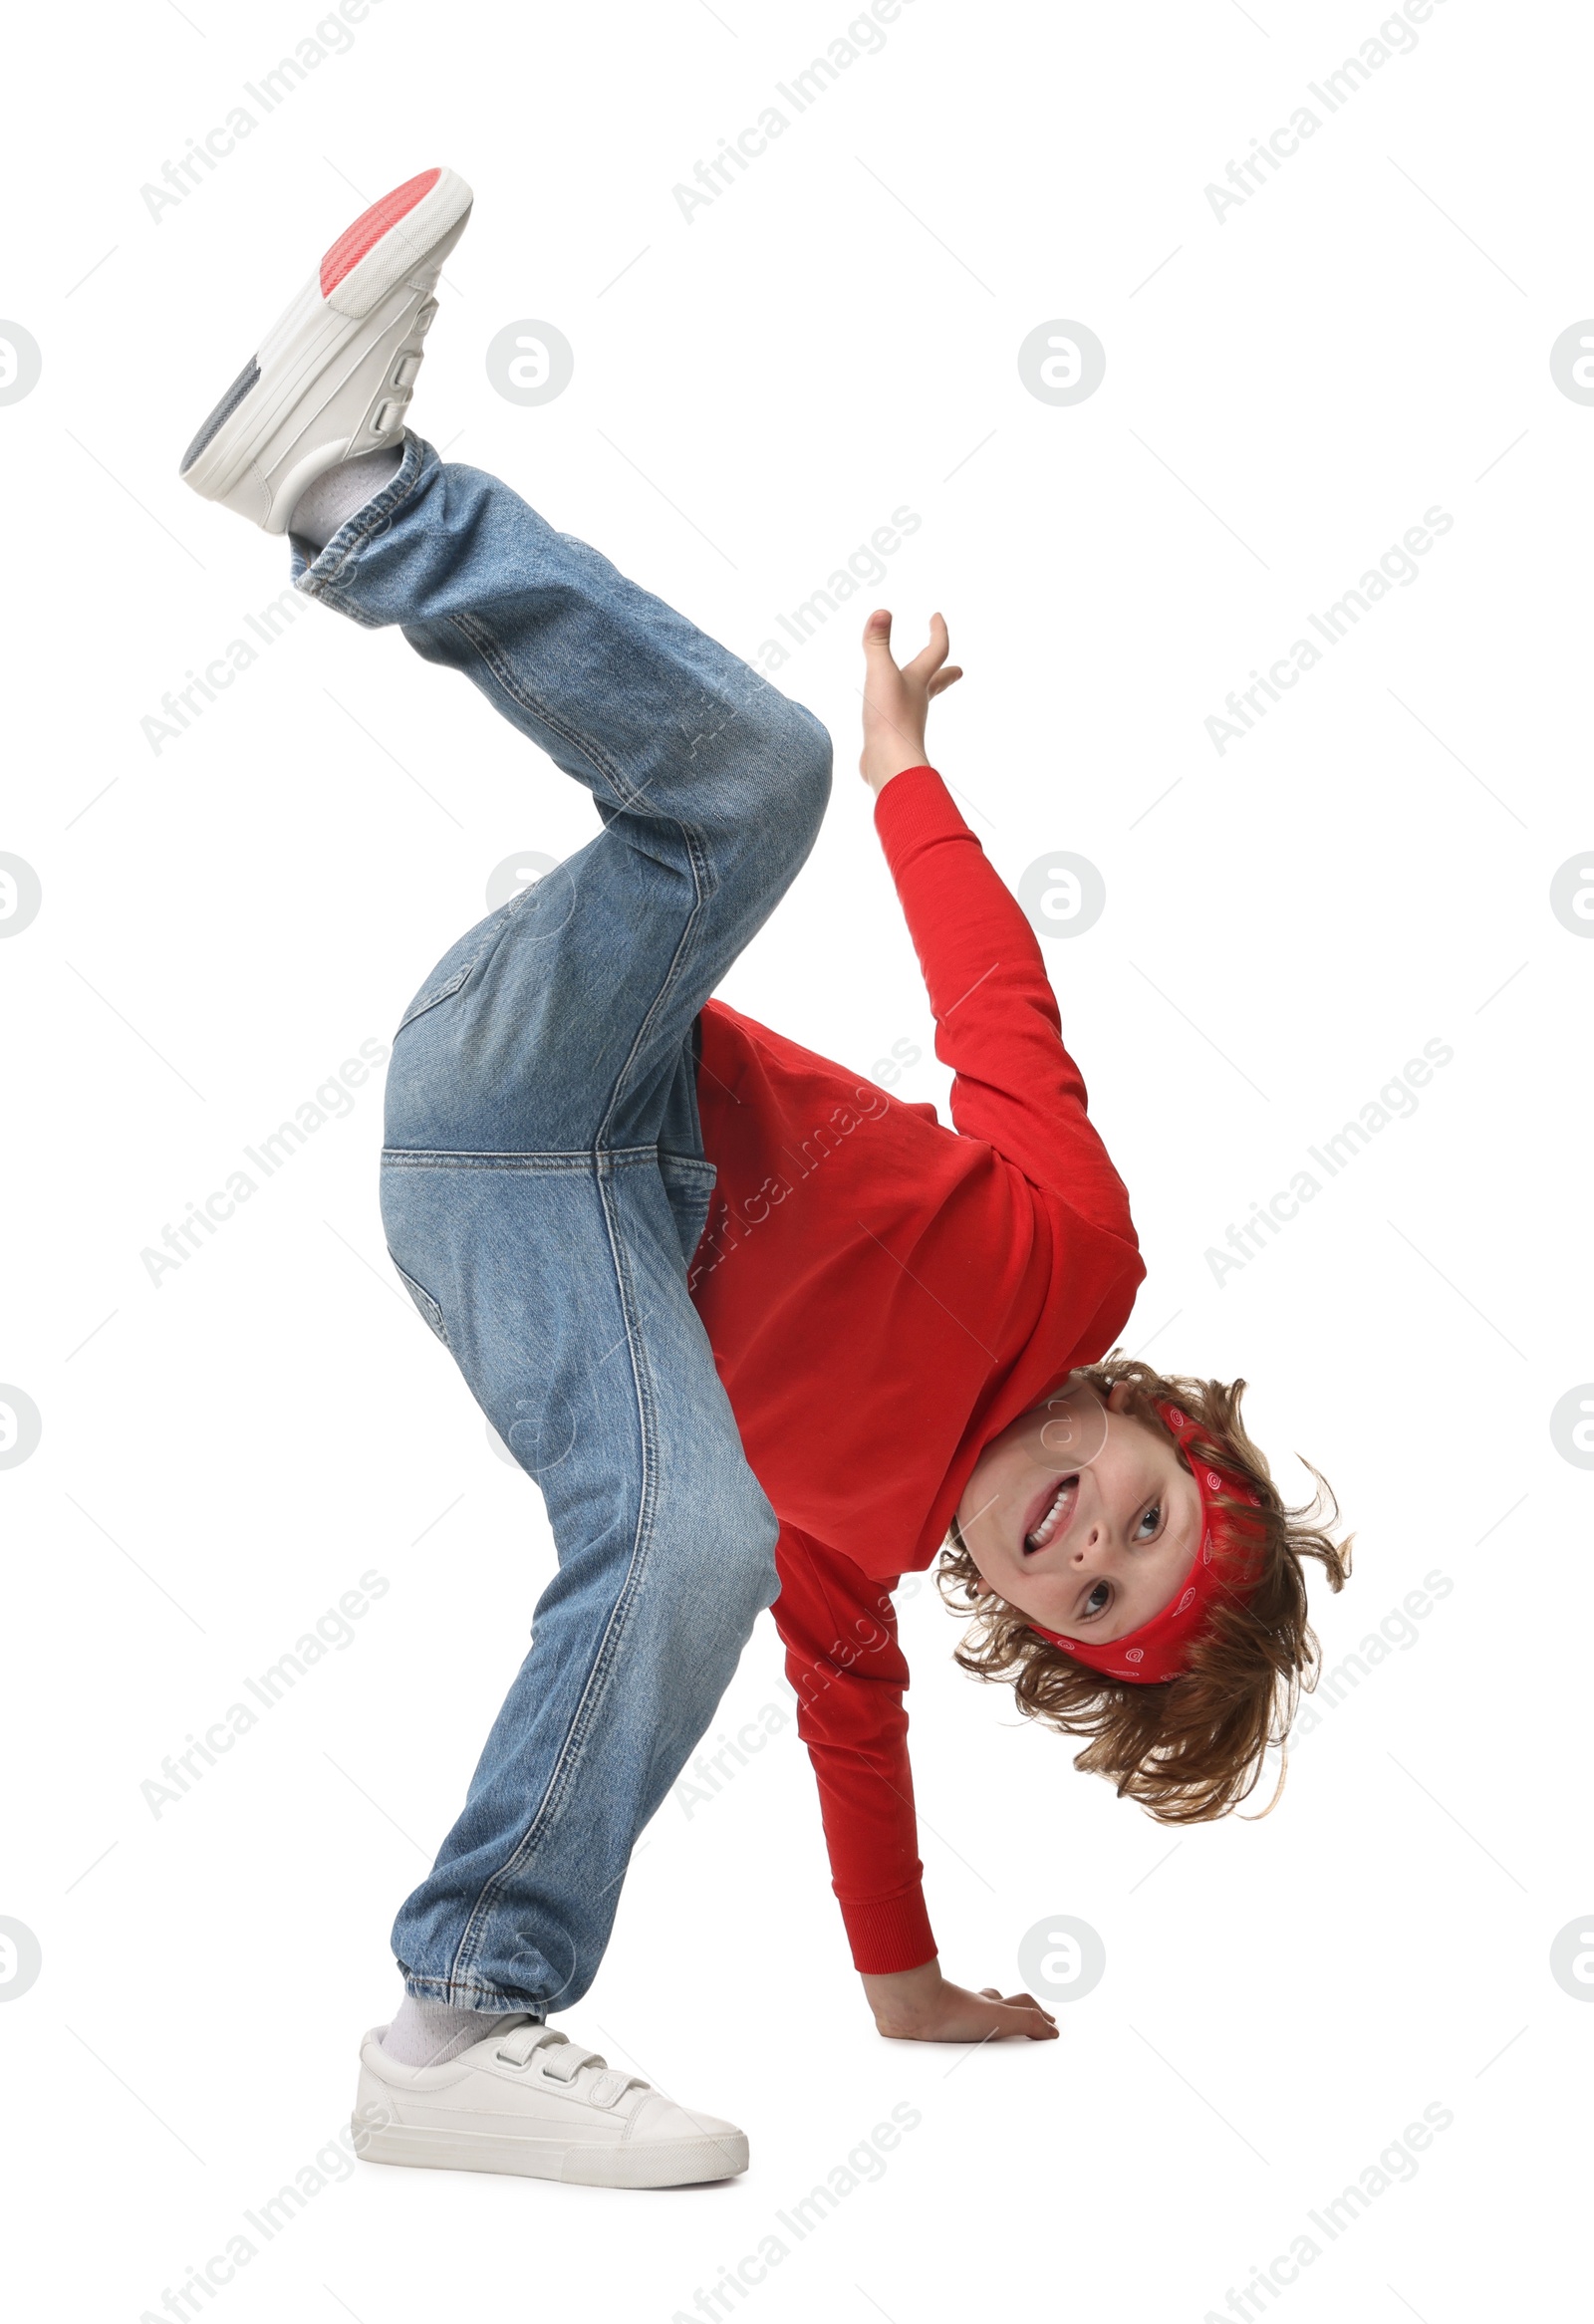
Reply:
x=882, y=1295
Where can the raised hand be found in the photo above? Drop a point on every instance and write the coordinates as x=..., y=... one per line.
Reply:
x=897, y=700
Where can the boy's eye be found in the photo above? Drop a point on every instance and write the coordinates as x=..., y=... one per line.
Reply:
x=1150, y=1522
x=1099, y=1599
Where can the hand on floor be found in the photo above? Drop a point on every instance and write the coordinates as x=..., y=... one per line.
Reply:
x=921, y=2005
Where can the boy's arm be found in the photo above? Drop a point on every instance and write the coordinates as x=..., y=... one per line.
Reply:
x=844, y=1661
x=996, y=1020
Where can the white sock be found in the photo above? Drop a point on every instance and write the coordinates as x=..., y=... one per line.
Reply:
x=341, y=492
x=429, y=2033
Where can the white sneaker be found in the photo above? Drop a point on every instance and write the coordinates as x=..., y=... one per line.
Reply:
x=335, y=372
x=527, y=2100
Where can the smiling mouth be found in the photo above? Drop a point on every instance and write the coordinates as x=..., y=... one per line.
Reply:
x=1050, y=1521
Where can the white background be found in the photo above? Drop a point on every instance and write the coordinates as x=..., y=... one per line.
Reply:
x=223, y=922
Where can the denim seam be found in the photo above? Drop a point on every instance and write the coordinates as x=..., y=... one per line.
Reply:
x=567, y=1762
x=400, y=1157
x=674, y=975
x=485, y=646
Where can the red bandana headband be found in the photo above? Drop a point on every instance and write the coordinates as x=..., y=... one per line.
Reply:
x=1156, y=1650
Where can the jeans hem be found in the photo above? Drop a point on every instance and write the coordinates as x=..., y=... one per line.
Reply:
x=323, y=576
x=457, y=1993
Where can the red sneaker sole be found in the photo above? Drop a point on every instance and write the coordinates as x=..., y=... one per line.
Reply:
x=367, y=230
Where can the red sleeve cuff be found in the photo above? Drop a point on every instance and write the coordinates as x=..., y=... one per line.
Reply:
x=888, y=1933
x=914, y=807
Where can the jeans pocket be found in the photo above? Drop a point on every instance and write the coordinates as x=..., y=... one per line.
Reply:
x=459, y=964
x=690, y=1185
x=430, y=1000
x=425, y=1301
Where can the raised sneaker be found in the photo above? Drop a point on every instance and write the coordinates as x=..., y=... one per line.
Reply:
x=333, y=375
x=528, y=2101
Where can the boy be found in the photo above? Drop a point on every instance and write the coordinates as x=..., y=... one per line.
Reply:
x=752, y=1325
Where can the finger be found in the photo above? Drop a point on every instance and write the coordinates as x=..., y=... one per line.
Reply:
x=930, y=657
x=876, y=635
x=1028, y=2002
x=1029, y=2018
x=1030, y=2025
x=989, y=1994
x=943, y=680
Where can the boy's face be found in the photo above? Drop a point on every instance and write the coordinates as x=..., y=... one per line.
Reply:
x=1082, y=1517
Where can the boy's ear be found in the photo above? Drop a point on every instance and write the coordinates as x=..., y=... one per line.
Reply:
x=1118, y=1396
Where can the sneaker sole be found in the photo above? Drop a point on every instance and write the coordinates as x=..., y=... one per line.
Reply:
x=682, y=2163
x=370, y=297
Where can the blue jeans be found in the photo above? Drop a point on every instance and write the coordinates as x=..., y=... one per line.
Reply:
x=544, y=1186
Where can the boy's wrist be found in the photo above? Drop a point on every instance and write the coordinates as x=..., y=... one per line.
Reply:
x=901, y=1999
x=896, y=763
x=921, y=2004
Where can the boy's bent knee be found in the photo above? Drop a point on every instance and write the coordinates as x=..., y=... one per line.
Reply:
x=805, y=756
x=748, y=1548
x=814, y=754
x=732, y=1560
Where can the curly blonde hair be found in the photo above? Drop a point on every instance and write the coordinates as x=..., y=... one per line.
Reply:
x=1191, y=1749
